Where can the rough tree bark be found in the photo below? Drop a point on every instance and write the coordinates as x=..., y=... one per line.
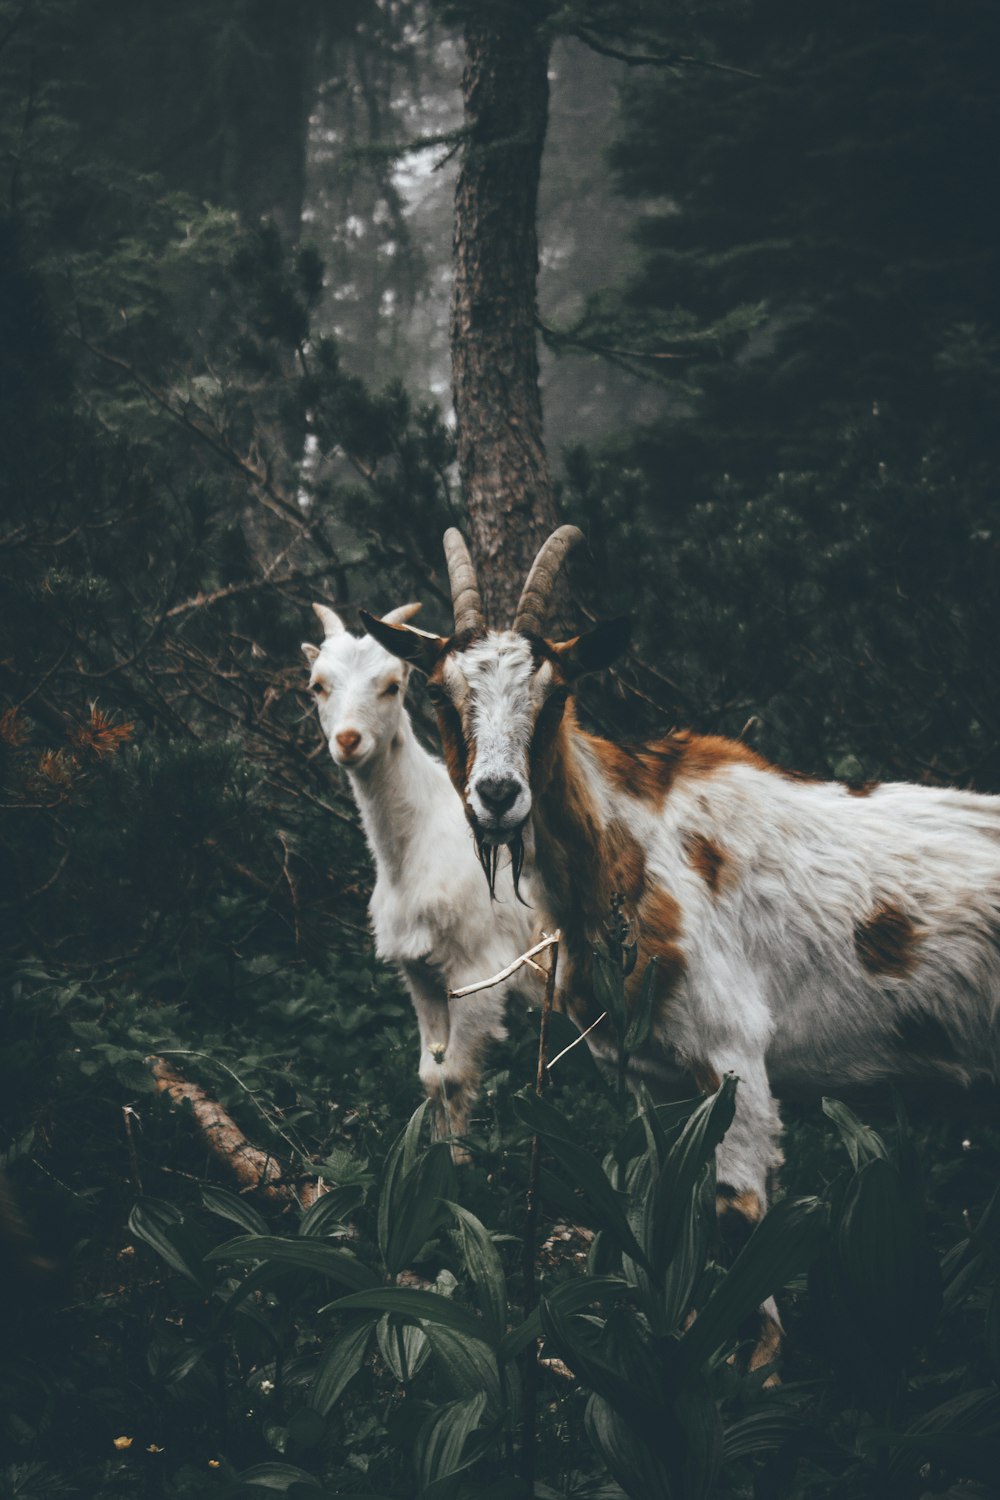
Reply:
x=505, y=476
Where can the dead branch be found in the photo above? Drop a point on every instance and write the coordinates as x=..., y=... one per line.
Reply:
x=525, y=960
x=254, y=1170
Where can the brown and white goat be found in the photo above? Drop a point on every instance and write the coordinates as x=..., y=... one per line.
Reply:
x=808, y=937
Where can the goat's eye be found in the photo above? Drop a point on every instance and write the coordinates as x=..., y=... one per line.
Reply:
x=391, y=690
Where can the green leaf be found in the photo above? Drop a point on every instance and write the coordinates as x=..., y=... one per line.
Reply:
x=576, y=1341
x=786, y=1240
x=863, y=1143
x=398, y=1162
x=415, y=1210
x=698, y=1222
x=237, y=1210
x=442, y=1439
x=569, y=1297
x=331, y=1211
x=408, y=1302
x=163, y=1229
x=403, y=1345
x=300, y=1254
x=280, y=1477
x=890, y=1268
x=467, y=1365
x=583, y=1170
x=639, y=1469
x=481, y=1261
x=640, y=1025
x=340, y=1363
x=679, y=1179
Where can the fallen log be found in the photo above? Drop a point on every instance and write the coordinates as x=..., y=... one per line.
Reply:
x=255, y=1170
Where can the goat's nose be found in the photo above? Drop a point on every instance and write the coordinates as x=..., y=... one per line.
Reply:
x=498, y=792
x=348, y=740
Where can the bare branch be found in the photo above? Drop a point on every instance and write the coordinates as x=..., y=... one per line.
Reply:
x=549, y=941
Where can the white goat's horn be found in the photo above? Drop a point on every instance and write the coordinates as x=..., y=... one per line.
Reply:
x=533, y=605
x=329, y=619
x=465, y=596
x=401, y=614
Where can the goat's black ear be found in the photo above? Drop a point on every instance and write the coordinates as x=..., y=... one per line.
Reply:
x=418, y=647
x=595, y=649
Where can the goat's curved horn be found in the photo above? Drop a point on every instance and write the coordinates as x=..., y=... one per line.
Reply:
x=329, y=619
x=400, y=614
x=465, y=596
x=533, y=605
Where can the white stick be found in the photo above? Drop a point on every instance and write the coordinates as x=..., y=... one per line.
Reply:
x=548, y=941
x=576, y=1040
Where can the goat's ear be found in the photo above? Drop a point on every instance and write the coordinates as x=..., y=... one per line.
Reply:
x=309, y=651
x=401, y=614
x=418, y=647
x=596, y=649
x=329, y=619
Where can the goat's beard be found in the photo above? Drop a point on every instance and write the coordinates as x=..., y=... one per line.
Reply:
x=489, y=858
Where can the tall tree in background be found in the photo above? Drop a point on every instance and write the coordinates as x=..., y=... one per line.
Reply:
x=506, y=484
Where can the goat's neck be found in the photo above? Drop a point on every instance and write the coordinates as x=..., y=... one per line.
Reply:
x=571, y=827
x=395, y=793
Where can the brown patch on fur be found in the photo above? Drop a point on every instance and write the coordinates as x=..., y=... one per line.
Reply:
x=647, y=772
x=707, y=859
x=886, y=942
x=860, y=788
x=626, y=865
x=545, y=739
x=659, y=931
x=706, y=1079
x=739, y=1214
x=456, y=751
x=767, y=1348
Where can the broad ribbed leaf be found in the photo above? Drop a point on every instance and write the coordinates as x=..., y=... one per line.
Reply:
x=279, y=1477
x=236, y=1210
x=663, y=1120
x=698, y=1462
x=637, y=1467
x=441, y=1441
x=403, y=1345
x=682, y=1172
x=467, y=1365
x=416, y=1210
x=163, y=1229
x=340, y=1363
x=331, y=1210
x=786, y=1240
x=863, y=1143
x=299, y=1254
x=575, y=1341
x=568, y=1297
x=398, y=1162
x=481, y=1261
x=408, y=1302
x=698, y=1217
x=606, y=1207
x=640, y=1024
x=890, y=1268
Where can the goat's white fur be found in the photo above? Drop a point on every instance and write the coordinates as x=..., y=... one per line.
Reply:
x=430, y=911
x=773, y=986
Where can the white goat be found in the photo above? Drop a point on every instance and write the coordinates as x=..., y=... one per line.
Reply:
x=809, y=935
x=430, y=911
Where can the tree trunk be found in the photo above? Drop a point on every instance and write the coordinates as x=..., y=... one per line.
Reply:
x=501, y=454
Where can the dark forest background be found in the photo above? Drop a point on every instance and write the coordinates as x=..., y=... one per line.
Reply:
x=770, y=340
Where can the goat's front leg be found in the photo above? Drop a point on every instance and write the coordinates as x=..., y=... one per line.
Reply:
x=453, y=1040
